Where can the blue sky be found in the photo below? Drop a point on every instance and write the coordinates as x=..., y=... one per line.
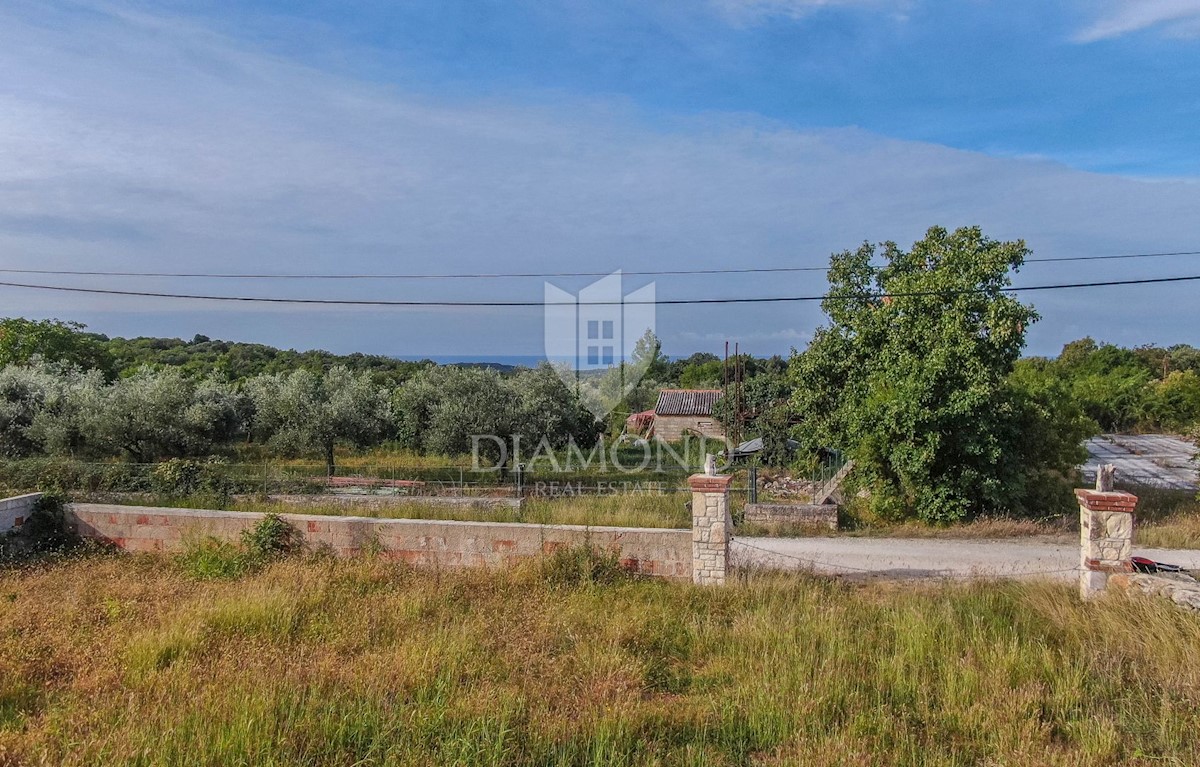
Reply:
x=515, y=136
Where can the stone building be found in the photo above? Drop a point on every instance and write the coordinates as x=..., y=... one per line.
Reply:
x=684, y=411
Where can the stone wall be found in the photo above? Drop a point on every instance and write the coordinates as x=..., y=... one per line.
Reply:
x=823, y=515
x=647, y=551
x=671, y=428
x=14, y=511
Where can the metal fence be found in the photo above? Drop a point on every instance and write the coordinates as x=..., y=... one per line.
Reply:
x=383, y=478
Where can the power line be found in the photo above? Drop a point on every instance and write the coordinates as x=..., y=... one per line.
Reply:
x=662, y=302
x=520, y=275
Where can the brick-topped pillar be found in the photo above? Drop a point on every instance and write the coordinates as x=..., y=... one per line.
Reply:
x=1105, y=537
x=711, y=527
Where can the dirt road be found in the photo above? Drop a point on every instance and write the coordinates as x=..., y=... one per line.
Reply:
x=926, y=558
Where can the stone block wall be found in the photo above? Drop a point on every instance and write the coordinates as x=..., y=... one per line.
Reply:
x=711, y=528
x=1105, y=537
x=823, y=515
x=14, y=511
x=647, y=551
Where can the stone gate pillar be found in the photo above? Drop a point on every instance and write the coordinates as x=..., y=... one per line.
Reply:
x=711, y=528
x=1105, y=537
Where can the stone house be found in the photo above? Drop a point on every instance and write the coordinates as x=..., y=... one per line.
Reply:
x=684, y=411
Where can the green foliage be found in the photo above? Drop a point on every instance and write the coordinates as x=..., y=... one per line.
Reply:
x=271, y=537
x=441, y=408
x=46, y=531
x=23, y=341
x=214, y=559
x=231, y=361
x=23, y=396
x=210, y=558
x=768, y=414
x=1045, y=443
x=582, y=565
x=706, y=375
x=915, y=385
x=304, y=412
x=1173, y=403
x=179, y=477
x=1149, y=388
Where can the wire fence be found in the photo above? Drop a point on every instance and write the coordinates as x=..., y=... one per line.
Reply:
x=355, y=476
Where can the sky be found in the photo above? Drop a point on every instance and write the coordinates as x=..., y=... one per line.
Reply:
x=384, y=136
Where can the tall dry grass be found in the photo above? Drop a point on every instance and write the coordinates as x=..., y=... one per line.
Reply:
x=127, y=661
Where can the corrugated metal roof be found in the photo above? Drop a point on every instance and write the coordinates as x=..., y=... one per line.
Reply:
x=686, y=401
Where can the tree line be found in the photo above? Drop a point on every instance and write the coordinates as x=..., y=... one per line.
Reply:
x=917, y=375
x=58, y=408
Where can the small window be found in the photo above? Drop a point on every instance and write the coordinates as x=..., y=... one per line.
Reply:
x=593, y=355
x=608, y=329
x=593, y=329
x=608, y=355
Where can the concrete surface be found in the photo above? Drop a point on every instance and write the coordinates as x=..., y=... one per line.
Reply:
x=925, y=558
x=14, y=511
x=1147, y=459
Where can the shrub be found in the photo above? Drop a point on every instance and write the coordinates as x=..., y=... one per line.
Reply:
x=271, y=537
x=46, y=530
x=182, y=477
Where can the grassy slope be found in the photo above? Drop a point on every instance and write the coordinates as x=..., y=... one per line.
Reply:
x=128, y=661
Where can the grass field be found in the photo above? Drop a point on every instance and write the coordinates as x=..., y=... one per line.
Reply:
x=129, y=661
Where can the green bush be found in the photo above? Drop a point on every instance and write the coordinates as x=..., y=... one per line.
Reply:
x=271, y=537
x=183, y=477
x=46, y=529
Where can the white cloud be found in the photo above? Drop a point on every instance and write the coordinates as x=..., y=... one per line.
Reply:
x=1174, y=17
x=142, y=143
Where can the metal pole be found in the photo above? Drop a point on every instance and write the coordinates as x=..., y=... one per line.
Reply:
x=753, y=484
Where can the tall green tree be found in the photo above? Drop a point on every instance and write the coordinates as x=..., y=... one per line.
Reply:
x=22, y=340
x=910, y=376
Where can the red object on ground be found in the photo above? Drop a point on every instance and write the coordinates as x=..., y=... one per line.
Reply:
x=640, y=423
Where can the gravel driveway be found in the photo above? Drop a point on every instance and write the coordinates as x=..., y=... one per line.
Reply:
x=926, y=558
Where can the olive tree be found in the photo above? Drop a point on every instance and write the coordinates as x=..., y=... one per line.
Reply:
x=441, y=410
x=304, y=411
x=155, y=414
x=23, y=395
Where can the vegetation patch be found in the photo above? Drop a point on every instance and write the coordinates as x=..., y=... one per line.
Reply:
x=319, y=662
